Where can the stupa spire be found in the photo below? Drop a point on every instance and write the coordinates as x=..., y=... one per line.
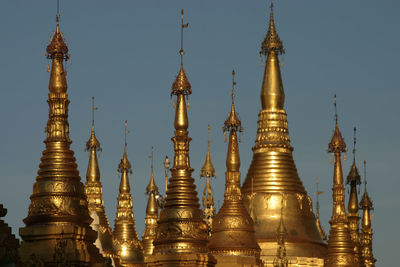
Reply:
x=281, y=233
x=149, y=233
x=208, y=172
x=354, y=180
x=58, y=203
x=366, y=231
x=273, y=174
x=181, y=236
x=126, y=241
x=232, y=239
x=94, y=192
x=340, y=245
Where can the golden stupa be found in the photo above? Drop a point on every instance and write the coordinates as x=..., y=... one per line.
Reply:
x=149, y=233
x=94, y=192
x=208, y=172
x=340, y=246
x=354, y=180
x=58, y=208
x=181, y=236
x=366, y=226
x=127, y=245
x=232, y=240
x=273, y=175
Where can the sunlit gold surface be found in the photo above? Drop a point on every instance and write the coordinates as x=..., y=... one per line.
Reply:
x=366, y=230
x=126, y=241
x=149, y=233
x=232, y=230
x=93, y=190
x=273, y=175
x=208, y=172
x=181, y=235
x=281, y=259
x=58, y=204
x=354, y=180
x=340, y=246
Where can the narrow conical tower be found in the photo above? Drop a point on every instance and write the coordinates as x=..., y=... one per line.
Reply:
x=317, y=219
x=366, y=227
x=126, y=241
x=273, y=174
x=340, y=246
x=281, y=234
x=58, y=203
x=232, y=241
x=354, y=180
x=149, y=233
x=94, y=192
x=208, y=172
x=181, y=236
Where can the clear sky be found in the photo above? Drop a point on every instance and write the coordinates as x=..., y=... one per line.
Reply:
x=125, y=53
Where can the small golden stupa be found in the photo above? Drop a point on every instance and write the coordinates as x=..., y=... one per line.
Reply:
x=232, y=240
x=127, y=245
x=340, y=246
x=94, y=192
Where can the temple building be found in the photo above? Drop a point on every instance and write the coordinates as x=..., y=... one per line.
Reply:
x=268, y=222
x=273, y=176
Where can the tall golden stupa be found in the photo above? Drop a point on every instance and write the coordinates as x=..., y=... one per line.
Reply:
x=182, y=234
x=232, y=240
x=94, y=193
x=273, y=175
x=58, y=209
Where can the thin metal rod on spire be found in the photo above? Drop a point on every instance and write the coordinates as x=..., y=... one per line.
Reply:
x=93, y=110
x=233, y=86
x=126, y=131
x=336, y=115
x=183, y=26
x=152, y=157
x=365, y=175
x=354, y=143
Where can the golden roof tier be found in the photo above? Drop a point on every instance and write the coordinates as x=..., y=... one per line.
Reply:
x=366, y=226
x=149, y=233
x=340, y=246
x=272, y=173
x=94, y=192
x=181, y=236
x=58, y=203
x=127, y=245
x=354, y=180
x=208, y=172
x=232, y=240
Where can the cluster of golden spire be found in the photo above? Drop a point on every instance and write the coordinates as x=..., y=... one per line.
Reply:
x=269, y=221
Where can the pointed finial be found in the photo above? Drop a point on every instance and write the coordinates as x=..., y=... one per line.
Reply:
x=232, y=122
x=152, y=158
x=93, y=142
x=208, y=169
x=93, y=110
x=58, y=16
x=126, y=132
x=57, y=44
x=365, y=175
x=125, y=164
x=272, y=42
x=337, y=143
x=233, y=87
x=209, y=141
x=354, y=142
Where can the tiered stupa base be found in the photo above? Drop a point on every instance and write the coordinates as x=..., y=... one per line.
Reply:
x=181, y=259
x=40, y=242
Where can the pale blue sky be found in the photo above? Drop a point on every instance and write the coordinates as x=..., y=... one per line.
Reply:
x=125, y=53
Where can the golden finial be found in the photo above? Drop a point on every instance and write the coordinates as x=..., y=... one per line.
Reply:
x=337, y=143
x=366, y=202
x=181, y=84
x=272, y=42
x=125, y=164
x=208, y=169
x=232, y=123
x=93, y=142
x=353, y=175
x=152, y=187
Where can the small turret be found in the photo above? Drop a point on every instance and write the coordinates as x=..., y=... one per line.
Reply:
x=208, y=172
x=366, y=228
x=126, y=241
x=281, y=233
